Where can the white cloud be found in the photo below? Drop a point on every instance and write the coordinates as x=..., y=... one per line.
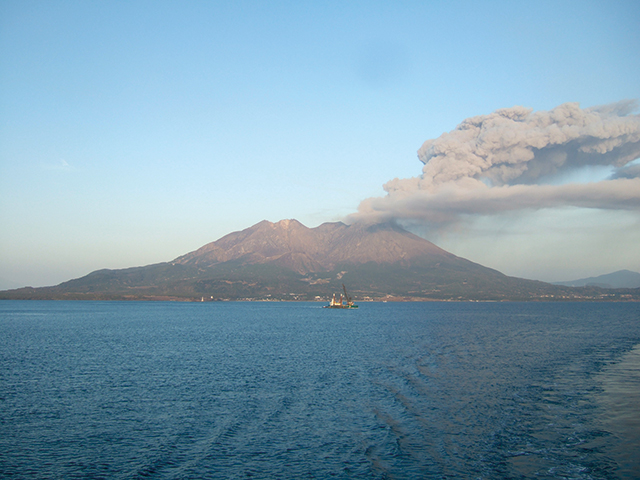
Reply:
x=60, y=165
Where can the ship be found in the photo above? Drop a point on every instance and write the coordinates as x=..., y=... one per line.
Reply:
x=343, y=302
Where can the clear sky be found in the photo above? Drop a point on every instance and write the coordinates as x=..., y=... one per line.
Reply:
x=134, y=132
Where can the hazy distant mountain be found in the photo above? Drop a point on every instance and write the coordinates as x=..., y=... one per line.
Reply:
x=286, y=260
x=619, y=279
x=5, y=284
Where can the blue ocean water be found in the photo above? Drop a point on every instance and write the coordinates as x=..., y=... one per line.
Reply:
x=291, y=390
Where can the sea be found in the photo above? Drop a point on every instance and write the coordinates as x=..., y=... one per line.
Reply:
x=289, y=390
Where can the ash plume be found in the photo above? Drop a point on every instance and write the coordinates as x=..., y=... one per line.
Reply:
x=516, y=159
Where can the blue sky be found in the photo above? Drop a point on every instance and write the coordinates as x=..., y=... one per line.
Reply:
x=134, y=132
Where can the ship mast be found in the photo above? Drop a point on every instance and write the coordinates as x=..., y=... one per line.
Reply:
x=347, y=297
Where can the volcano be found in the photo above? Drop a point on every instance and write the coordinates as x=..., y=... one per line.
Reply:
x=289, y=261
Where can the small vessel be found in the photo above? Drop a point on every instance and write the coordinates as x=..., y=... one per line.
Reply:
x=342, y=302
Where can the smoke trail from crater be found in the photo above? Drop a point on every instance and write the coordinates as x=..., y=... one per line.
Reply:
x=516, y=159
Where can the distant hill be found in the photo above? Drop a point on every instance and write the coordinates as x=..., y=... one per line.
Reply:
x=6, y=284
x=288, y=261
x=619, y=279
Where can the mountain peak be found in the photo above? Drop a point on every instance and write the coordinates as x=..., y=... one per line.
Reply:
x=286, y=223
x=290, y=243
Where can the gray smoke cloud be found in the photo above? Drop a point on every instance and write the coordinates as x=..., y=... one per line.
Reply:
x=515, y=159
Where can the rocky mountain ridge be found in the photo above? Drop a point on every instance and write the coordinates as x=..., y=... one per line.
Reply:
x=291, y=244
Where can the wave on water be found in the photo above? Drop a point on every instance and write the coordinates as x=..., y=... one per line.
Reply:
x=265, y=390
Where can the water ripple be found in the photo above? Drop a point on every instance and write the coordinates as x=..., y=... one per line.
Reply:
x=247, y=390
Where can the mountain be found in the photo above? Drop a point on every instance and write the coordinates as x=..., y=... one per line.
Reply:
x=619, y=279
x=304, y=250
x=6, y=284
x=287, y=260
